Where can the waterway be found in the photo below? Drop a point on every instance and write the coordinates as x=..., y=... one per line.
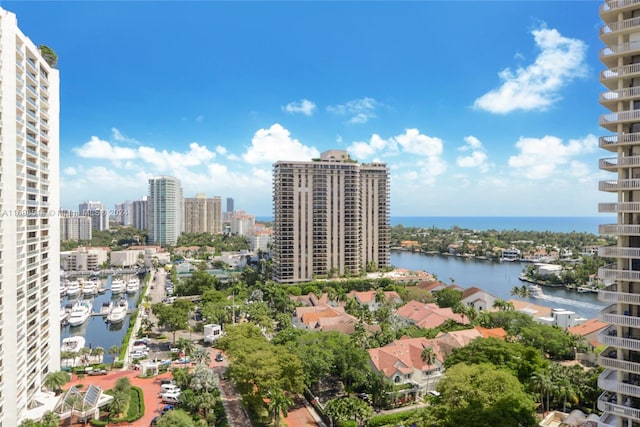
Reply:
x=96, y=331
x=497, y=278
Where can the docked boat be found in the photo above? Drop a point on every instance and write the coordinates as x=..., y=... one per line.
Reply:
x=90, y=287
x=80, y=313
x=106, y=308
x=63, y=290
x=535, y=291
x=118, y=312
x=133, y=285
x=73, y=344
x=64, y=314
x=117, y=286
x=73, y=288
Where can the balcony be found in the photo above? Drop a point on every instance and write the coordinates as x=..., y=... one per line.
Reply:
x=614, y=6
x=612, y=142
x=618, y=252
x=611, y=120
x=610, y=31
x=613, y=163
x=619, y=230
x=608, y=419
x=609, y=99
x=621, y=207
x=619, y=185
x=608, y=336
x=610, y=77
x=609, y=315
x=619, y=365
x=611, y=295
x=608, y=381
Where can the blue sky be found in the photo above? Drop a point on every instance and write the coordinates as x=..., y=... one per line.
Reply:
x=479, y=108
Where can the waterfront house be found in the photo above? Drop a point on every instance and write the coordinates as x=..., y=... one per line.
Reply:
x=370, y=299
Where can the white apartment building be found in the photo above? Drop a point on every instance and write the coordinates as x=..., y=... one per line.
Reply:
x=202, y=214
x=29, y=226
x=126, y=258
x=166, y=210
x=242, y=223
x=99, y=215
x=331, y=216
x=83, y=259
x=123, y=213
x=75, y=227
x=260, y=239
x=620, y=379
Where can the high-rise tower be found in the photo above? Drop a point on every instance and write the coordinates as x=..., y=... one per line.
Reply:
x=331, y=216
x=166, y=210
x=29, y=225
x=620, y=380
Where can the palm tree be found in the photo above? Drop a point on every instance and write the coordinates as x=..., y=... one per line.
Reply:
x=115, y=352
x=428, y=356
x=50, y=419
x=185, y=345
x=55, y=380
x=119, y=403
x=279, y=403
x=541, y=382
x=98, y=352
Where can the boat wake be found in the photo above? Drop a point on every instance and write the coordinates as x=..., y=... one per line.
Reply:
x=560, y=300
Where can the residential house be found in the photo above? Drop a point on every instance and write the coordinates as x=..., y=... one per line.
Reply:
x=370, y=299
x=427, y=316
x=478, y=299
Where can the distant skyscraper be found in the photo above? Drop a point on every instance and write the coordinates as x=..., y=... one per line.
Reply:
x=331, y=215
x=230, y=208
x=99, y=215
x=202, y=214
x=123, y=213
x=620, y=33
x=29, y=226
x=166, y=210
x=140, y=214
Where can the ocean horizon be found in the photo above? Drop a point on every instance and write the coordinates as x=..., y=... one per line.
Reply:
x=556, y=224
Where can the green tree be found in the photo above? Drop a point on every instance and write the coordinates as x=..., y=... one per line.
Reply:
x=50, y=419
x=176, y=418
x=482, y=396
x=448, y=297
x=28, y=423
x=279, y=403
x=55, y=380
x=172, y=317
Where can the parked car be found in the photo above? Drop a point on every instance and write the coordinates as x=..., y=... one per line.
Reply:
x=139, y=354
x=167, y=381
x=97, y=372
x=219, y=357
x=168, y=408
x=169, y=388
x=154, y=421
x=170, y=398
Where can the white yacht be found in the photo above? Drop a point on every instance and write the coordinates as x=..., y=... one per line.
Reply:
x=63, y=289
x=132, y=285
x=73, y=288
x=117, y=286
x=74, y=343
x=106, y=308
x=64, y=314
x=535, y=291
x=118, y=312
x=90, y=287
x=80, y=313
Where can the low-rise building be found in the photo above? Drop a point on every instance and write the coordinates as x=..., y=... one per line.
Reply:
x=83, y=259
x=125, y=259
x=373, y=300
x=427, y=316
x=478, y=299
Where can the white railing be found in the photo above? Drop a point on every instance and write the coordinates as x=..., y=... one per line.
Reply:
x=625, y=411
x=617, y=229
x=623, y=116
x=616, y=162
x=620, y=94
x=620, y=184
x=611, y=5
x=615, y=341
x=619, y=26
x=619, y=207
x=619, y=365
x=618, y=252
x=610, y=294
x=621, y=71
x=609, y=315
x=617, y=140
x=622, y=48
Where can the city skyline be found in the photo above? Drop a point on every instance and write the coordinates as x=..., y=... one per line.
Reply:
x=497, y=123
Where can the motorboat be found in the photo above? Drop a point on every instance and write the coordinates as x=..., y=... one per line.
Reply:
x=106, y=308
x=73, y=288
x=79, y=313
x=63, y=290
x=64, y=314
x=73, y=344
x=133, y=285
x=118, y=312
x=117, y=286
x=90, y=287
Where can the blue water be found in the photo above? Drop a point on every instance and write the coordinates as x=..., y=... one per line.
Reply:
x=497, y=278
x=558, y=224
x=565, y=224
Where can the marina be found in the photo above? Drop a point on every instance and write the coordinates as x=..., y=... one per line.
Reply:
x=95, y=330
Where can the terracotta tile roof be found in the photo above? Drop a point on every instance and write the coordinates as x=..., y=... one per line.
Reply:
x=530, y=308
x=403, y=356
x=367, y=297
x=588, y=327
x=428, y=315
x=310, y=315
x=491, y=333
x=430, y=285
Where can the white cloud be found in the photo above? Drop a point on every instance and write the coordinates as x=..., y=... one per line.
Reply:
x=537, y=86
x=540, y=158
x=100, y=149
x=359, y=110
x=275, y=143
x=118, y=136
x=477, y=158
x=303, y=106
x=413, y=142
x=69, y=170
x=167, y=160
